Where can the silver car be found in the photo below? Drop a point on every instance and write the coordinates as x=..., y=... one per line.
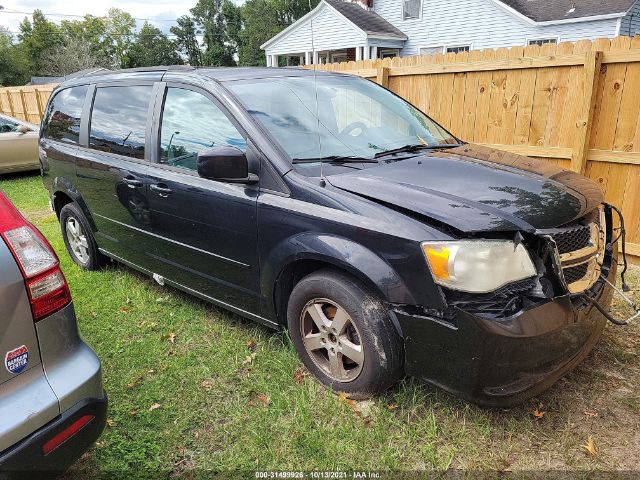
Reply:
x=18, y=145
x=52, y=402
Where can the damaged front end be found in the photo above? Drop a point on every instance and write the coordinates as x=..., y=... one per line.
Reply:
x=502, y=347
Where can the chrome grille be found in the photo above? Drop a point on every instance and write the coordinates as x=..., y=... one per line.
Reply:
x=580, y=253
x=573, y=239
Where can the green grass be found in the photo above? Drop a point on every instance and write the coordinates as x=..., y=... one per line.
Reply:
x=220, y=409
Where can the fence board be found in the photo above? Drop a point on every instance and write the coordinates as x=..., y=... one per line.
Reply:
x=575, y=105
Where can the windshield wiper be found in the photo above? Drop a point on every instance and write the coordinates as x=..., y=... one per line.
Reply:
x=414, y=149
x=334, y=159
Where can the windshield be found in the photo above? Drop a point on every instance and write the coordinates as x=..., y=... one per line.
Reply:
x=353, y=118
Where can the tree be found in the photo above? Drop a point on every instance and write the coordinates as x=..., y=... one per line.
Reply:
x=262, y=20
x=91, y=31
x=14, y=63
x=120, y=27
x=152, y=47
x=186, y=32
x=38, y=36
x=72, y=56
x=218, y=19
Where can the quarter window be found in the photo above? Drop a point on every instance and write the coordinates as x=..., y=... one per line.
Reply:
x=119, y=120
x=191, y=123
x=62, y=119
x=411, y=9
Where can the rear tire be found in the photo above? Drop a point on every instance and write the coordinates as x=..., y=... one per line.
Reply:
x=343, y=334
x=78, y=238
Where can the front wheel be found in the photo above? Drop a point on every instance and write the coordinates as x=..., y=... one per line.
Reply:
x=343, y=334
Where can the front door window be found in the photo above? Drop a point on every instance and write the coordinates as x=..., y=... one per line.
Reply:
x=192, y=123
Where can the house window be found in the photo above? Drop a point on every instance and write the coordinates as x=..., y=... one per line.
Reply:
x=438, y=50
x=459, y=49
x=411, y=9
x=542, y=41
x=389, y=53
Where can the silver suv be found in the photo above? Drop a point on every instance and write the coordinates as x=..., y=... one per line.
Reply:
x=52, y=403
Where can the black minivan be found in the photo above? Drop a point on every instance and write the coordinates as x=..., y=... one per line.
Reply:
x=326, y=204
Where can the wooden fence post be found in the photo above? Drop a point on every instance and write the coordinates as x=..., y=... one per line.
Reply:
x=39, y=103
x=11, y=109
x=592, y=65
x=382, y=77
x=24, y=106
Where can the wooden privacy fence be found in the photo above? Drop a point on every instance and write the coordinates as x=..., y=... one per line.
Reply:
x=26, y=103
x=574, y=104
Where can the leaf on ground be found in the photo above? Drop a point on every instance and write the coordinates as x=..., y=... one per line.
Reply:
x=590, y=414
x=249, y=359
x=94, y=314
x=128, y=301
x=133, y=413
x=155, y=406
x=264, y=399
x=109, y=422
x=299, y=375
x=170, y=337
x=590, y=446
x=538, y=414
x=393, y=406
x=342, y=397
x=124, y=309
x=251, y=345
x=207, y=384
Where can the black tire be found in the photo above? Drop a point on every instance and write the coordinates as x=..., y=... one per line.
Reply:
x=375, y=336
x=93, y=259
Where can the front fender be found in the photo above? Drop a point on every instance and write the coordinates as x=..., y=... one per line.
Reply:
x=340, y=252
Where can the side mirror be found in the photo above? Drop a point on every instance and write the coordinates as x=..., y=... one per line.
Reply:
x=225, y=164
x=22, y=129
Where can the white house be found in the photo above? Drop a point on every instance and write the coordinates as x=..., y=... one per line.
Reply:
x=339, y=30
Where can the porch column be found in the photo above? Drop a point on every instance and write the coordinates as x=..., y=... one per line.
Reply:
x=307, y=58
x=301, y=60
x=374, y=53
x=274, y=61
x=315, y=58
x=367, y=50
x=268, y=59
x=358, y=54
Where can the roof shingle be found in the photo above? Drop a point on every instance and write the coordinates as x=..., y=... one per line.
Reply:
x=368, y=21
x=553, y=10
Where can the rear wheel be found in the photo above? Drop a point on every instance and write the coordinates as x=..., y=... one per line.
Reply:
x=343, y=334
x=78, y=238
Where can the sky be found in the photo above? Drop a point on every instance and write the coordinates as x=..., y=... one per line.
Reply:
x=154, y=10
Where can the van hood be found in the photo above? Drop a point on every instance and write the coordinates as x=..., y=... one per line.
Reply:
x=477, y=189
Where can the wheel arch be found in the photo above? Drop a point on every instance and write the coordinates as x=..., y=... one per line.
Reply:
x=63, y=194
x=315, y=252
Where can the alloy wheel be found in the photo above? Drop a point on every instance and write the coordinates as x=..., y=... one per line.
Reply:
x=332, y=340
x=77, y=239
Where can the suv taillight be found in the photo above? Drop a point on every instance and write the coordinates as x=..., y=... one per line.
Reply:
x=46, y=286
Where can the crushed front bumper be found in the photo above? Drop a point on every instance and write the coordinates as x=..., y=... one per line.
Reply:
x=503, y=362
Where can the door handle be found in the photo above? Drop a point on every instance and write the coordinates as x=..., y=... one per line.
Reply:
x=132, y=182
x=161, y=189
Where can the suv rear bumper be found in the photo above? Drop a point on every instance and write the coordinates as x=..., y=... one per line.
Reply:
x=503, y=362
x=27, y=459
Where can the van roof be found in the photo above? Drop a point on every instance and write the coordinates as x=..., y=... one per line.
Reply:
x=220, y=74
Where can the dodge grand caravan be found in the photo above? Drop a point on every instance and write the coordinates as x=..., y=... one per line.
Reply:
x=52, y=405
x=325, y=204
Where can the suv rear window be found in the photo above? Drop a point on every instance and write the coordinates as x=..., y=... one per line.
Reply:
x=119, y=120
x=62, y=119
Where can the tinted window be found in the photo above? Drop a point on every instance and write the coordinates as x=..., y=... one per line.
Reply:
x=119, y=120
x=62, y=120
x=191, y=123
x=7, y=125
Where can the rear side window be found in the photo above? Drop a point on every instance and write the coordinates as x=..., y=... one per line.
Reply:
x=119, y=120
x=62, y=119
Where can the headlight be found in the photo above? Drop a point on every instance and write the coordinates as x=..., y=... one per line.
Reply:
x=478, y=266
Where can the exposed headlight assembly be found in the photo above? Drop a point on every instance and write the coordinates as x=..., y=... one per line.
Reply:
x=478, y=266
